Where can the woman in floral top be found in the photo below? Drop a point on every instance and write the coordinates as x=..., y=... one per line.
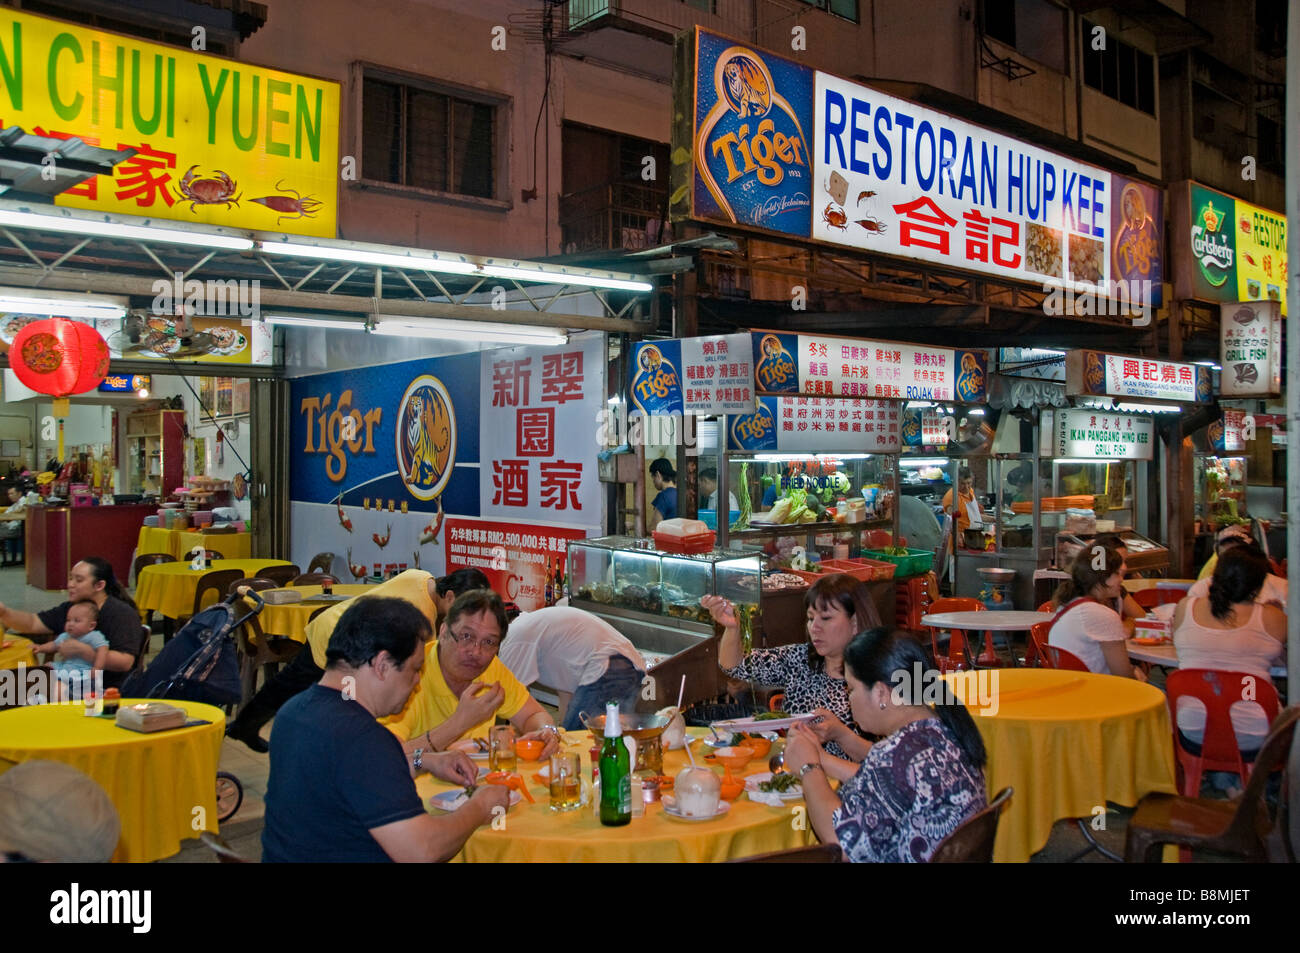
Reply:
x=918, y=783
x=811, y=674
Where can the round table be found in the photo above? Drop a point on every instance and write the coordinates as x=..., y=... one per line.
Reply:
x=1166, y=656
x=169, y=588
x=289, y=620
x=1140, y=585
x=181, y=542
x=534, y=834
x=1068, y=742
x=990, y=620
x=16, y=650
x=155, y=780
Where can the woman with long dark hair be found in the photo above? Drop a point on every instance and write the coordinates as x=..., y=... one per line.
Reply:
x=1086, y=623
x=1230, y=631
x=91, y=579
x=812, y=673
x=919, y=782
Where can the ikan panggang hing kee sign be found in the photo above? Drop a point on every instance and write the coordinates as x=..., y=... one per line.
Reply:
x=1098, y=374
x=1093, y=435
x=777, y=146
x=216, y=141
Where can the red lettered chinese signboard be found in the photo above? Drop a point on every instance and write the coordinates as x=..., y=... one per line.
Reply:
x=517, y=558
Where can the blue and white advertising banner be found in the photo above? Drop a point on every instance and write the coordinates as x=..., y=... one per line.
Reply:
x=818, y=425
x=704, y=376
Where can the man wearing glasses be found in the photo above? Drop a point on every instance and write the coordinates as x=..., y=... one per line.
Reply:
x=465, y=685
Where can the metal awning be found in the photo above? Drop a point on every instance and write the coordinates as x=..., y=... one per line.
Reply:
x=55, y=248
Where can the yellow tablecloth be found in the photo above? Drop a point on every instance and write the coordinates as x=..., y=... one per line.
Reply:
x=534, y=834
x=169, y=588
x=18, y=653
x=1067, y=742
x=289, y=620
x=180, y=542
x=156, y=780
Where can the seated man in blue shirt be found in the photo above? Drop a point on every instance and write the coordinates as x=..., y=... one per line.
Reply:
x=341, y=789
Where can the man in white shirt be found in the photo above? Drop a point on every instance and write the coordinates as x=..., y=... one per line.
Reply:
x=709, y=491
x=577, y=654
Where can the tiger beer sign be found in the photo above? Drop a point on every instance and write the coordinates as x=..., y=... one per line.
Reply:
x=214, y=141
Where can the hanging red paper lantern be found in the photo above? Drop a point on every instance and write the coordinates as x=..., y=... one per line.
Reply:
x=59, y=357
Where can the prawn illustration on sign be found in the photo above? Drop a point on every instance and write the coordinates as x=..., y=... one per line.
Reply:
x=751, y=154
x=774, y=367
x=656, y=386
x=426, y=437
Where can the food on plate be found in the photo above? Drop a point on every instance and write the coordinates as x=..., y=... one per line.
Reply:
x=224, y=337
x=782, y=580
x=771, y=715
x=1043, y=250
x=780, y=783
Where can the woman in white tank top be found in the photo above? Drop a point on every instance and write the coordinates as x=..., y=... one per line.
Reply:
x=1230, y=632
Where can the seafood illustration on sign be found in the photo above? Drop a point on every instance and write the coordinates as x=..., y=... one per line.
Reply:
x=343, y=519
x=382, y=541
x=873, y=225
x=299, y=206
x=835, y=217
x=217, y=189
x=430, y=532
x=358, y=572
x=865, y=195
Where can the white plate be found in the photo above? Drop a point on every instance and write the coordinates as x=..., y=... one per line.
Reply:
x=752, y=782
x=455, y=799
x=712, y=742
x=670, y=809
x=767, y=724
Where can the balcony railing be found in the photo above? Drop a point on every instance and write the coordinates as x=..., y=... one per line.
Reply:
x=733, y=17
x=616, y=215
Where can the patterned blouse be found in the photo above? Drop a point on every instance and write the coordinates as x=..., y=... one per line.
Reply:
x=913, y=790
x=805, y=690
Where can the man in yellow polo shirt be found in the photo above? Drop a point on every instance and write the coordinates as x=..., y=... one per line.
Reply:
x=464, y=685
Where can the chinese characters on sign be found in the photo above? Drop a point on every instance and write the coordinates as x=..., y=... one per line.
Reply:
x=516, y=558
x=853, y=368
x=1095, y=373
x=536, y=433
x=819, y=425
x=717, y=375
x=1250, y=349
x=1091, y=435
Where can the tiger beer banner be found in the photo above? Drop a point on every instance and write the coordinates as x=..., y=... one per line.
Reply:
x=703, y=376
x=215, y=141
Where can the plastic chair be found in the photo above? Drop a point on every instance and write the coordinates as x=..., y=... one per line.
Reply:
x=817, y=854
x=1064, y=659
x=281, y=575
x=1224, y=827
x=958, y=645
x=1218, y=748
x=972, y=841
x=225, y=853
x=1035, y=653
x=313, y=579
x=1148, y=598
x=1048, y=606
x=776, y=701
x=321, y=562
x=146, y=635
x=217, y=580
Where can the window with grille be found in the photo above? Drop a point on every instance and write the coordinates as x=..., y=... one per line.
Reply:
x=848, y=9
x=1119, y=71
x=426, y=139
x=1035, y=28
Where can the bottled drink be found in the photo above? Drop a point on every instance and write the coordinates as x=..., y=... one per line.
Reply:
x=615, y=773
x=549, y=593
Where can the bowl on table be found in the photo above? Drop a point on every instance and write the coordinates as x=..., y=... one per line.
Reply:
x=530, y=749
x=734, y=759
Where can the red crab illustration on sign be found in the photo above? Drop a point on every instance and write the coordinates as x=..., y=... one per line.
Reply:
x=218, y=189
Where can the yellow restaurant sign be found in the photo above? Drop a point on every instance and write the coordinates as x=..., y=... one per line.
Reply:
x=216, y=141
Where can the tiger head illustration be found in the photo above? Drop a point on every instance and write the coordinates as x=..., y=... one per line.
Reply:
x=747, y=88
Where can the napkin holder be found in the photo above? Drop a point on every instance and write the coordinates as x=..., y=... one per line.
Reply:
x=280, y=597
x=151, y=716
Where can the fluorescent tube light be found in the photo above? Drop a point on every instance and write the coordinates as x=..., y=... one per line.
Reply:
x=976, y=411
x=428, y=261
x=923, y=461
x=33, y=302
x=472, y=331
x=144, y=233
x=803, y=457
x=302, y=321
x=565, y=278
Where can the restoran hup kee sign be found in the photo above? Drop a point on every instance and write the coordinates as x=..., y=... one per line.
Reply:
x=778, y=146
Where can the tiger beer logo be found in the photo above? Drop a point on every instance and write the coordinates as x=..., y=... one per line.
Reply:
x=970, y=379
x=656, y=388
x=775, y=371
x=1203, y=385
x=750, y=149
x=1094, y=375
x=426, y=437
x=756, y=431
x=912, y=428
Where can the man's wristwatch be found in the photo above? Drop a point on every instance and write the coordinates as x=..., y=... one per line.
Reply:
x=418, y=760
x=808, y=767
x=551, y=728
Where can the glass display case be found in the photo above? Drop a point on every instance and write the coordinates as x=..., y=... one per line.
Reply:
x=1220, y=491
x=627, y=573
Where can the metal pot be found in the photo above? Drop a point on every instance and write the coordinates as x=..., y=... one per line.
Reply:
x=646, y=730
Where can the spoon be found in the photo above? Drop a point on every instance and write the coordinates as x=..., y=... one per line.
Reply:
x=776, y=763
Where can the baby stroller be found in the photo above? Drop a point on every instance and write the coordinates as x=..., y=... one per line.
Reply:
x=201, y=664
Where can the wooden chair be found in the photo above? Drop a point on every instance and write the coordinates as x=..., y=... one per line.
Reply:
x=958, y=644
x=1218, y=750
x=972, y=841
x=313, y=579
x=225, y=853
x=257, y=650
x=817, y=854
x=321, y=562
x=1225, y=827
x=1064, y=659
x=216, y=580
x=149, y=559
x=146, y=636
x=280, y=575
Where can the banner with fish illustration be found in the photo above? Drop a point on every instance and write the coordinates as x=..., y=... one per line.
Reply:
x=1229, y=249
x=214, y=140
x=822, y=365
x=1250, y=349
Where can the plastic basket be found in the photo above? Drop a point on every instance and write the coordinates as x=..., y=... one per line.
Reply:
x=916, y=561
x=686, y=545
x=710, y=517
x=867, y=570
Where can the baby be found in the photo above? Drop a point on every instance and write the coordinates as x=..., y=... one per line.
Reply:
x=74, y=675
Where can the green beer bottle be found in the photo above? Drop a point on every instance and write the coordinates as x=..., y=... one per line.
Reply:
x=615, y=773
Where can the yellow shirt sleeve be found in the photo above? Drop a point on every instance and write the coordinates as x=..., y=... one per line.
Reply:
x=412, y=585
x=432, y=702
x=1208, y=569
